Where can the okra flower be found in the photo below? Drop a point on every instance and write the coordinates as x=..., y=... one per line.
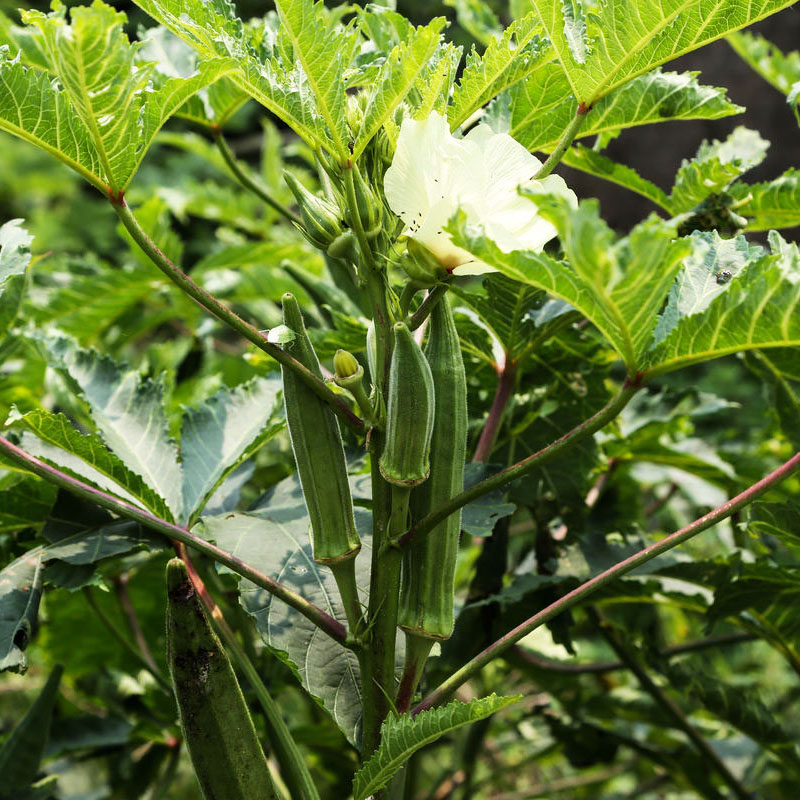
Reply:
x=433, y=174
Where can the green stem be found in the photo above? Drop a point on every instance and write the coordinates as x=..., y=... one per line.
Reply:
x=125, y=642
x=418, y=648
x=563, y=143
x=230, y=318
x=242, y=175
x=358, y=228
x=447, y=687
x=293, y=768
x=658, y=694
x=344, y=573
x=427, y=305
x=323, y=621
x=506, y=476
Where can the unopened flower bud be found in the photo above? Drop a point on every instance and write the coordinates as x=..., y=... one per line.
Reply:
x=421, y=265
x=344, y=246
x=369, y=206
x=346, y=366
x=354, y=111
x=321, y=220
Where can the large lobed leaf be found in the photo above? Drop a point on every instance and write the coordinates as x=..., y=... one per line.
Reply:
x=402, y=736
x=619, y=285
x=129, y=413
x=541, y=107
x=730, y=298
x=624, y=38
x=105, y=107
x=274, y=538
x=15, y=257
x=223, y=430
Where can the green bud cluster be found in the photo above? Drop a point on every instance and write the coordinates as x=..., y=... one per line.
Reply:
x=322, y=222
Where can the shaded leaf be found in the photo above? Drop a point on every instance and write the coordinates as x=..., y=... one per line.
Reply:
x=21, y=584
x=274, y=538
x=24, y=502
x=478, y=518
x=402, y=736
x=23, y=750
x=86, y=456
x=15, y=258
x=477, y=19
x=129, y=413
x=217, y=435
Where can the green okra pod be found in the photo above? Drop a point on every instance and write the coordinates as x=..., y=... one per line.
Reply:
x=217, y=727
x=318, y=451
x=427, y=584
x=409, y=413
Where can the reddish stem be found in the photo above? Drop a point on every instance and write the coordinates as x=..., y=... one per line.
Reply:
x=505, y=387
x=584, y=590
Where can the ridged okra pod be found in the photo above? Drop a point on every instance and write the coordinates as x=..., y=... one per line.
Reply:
x=409, y=415
x=427, y=584
x=217, y=727
x=318, y=451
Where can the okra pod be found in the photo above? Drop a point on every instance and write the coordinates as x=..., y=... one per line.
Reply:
x=409, y=415
x=428, y=573
x=217, y=727
x=318, y=451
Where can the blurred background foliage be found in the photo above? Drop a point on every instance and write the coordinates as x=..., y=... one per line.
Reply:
x=693, y=439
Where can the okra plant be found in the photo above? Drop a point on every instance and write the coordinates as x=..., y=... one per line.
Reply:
x=357, y=455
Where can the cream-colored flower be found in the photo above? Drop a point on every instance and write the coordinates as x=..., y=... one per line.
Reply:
x=433, y=174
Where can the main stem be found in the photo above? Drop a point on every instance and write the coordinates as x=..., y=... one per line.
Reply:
x=447, y=687
x=230, y=318
x=323, y=621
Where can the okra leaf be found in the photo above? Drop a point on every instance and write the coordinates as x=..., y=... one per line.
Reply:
x=781, y=520
x=212, y=28
x=541, y=107
x=23, y=750
x=22, y=581
x=601, y=166
x=715, y=166
x=779, y=372
x=396, y=78
x=769, y=205
x=211, y=107
x=619, y=285
x=605, y=49
x=507, y=60
x=95, y=107
x=58, y=442
x=273, y=537
x=477, y=19
x=782, y=70
x=324, y=51
x=730, y=298
x=129, y=413
x=24, y=502
x=478, y=518
x=15, y=257
x=219, y=433
x=402, y=736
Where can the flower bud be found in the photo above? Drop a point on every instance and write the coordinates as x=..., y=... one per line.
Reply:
x=346, y=367
x=421, y=265
x=369, y=206
x=354, y=111
x=321, y=219
x=344, y=246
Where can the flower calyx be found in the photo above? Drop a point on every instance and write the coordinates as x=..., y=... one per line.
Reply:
x=322, y=222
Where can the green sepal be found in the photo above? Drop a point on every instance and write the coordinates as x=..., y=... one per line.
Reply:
x=322, y=223
x=409, y=414
x=318, y=451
